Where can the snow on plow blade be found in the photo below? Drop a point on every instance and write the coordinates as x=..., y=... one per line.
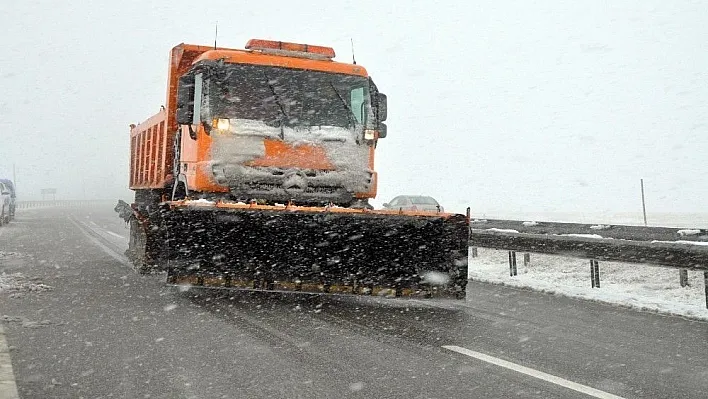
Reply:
x=317, y=250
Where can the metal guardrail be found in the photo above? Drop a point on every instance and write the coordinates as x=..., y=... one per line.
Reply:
x=634, y=233
x=670, y=254
x=62, y=203
x=663, y=246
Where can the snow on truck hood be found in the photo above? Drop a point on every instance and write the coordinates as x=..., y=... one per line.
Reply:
x=244, y=142
x=295, y=135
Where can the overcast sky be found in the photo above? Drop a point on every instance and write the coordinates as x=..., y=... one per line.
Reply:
x=503, y=106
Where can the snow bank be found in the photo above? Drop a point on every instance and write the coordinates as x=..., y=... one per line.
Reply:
x=496, y=230
x=582, y=235
x=17, y=282
x=692, y=242
x=684, y=242
x=688, y=232
x=600, y=226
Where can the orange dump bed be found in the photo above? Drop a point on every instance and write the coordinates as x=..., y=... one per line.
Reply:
x=151, y=142
x=151, y=154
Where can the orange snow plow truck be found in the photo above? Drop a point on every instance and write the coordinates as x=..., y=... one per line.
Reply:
x=256, y=174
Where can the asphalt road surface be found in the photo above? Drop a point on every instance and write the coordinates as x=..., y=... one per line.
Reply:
x=79, y=323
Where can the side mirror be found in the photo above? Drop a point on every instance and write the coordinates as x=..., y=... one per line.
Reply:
x=382, y=106
x=382, y=128
x=185, y=100
x=5, y=193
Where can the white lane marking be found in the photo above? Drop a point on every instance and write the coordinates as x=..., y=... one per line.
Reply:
x=533, y=373
x=115, y=234
x=120, y=258
x=8, y=387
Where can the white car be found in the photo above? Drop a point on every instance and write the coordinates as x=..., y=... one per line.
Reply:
x=4, y=203
x=414, y=203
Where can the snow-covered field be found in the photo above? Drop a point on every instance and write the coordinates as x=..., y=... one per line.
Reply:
x=628, y=284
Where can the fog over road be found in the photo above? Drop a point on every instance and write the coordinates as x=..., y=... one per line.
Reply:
x=104, y=331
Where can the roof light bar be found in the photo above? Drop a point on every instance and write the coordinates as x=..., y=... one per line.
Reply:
x=259, y=44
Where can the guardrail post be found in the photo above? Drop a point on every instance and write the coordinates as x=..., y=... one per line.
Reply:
x=595, y=273
x=683, y=277
x=512, y=263
x=527, y=259
x=474, y=252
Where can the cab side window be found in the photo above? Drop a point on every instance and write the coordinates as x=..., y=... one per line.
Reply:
x=358, y=105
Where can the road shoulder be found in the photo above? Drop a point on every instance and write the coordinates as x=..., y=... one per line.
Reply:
x=8, y=387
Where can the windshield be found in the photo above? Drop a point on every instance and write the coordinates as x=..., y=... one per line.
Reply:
x=286, y=97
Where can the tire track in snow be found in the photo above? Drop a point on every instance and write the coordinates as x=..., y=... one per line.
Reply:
x=91, y=235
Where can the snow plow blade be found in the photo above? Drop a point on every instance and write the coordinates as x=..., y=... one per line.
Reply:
x=318, y=250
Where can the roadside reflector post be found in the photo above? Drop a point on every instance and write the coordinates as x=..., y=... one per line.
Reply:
x=595, y=273
x=527, y=259
x=474, y=252
x=705, y=285
x=512, y=263
x=683, y=277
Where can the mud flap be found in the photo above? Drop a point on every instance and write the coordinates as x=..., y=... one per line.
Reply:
x=357, y=253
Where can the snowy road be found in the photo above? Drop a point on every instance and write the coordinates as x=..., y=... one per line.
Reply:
x=80, y=323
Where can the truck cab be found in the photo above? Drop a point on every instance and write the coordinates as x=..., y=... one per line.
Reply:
x=278, y=122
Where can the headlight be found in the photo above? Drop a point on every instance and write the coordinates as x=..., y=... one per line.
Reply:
x=369, y=134
x=222, y=124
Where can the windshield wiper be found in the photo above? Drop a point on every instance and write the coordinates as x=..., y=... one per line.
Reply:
x=350, y=113
x=280, y=105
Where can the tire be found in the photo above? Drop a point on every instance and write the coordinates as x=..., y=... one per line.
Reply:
x=136, y=247
x=2, y=216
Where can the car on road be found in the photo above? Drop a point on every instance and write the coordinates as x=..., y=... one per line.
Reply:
x=414, y=203
x=6, y=203
x=13, y=195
